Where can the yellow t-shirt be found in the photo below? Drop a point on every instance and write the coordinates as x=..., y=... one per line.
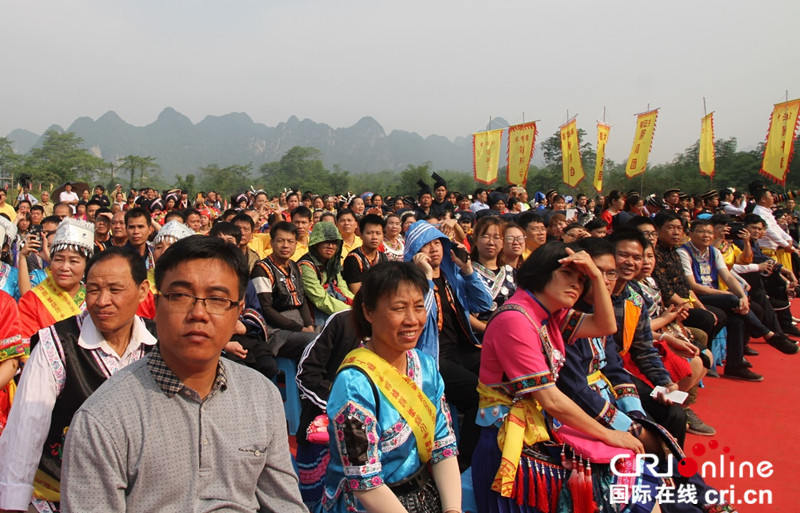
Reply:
x=260, y=244
x=346, y=249
x=9, y=211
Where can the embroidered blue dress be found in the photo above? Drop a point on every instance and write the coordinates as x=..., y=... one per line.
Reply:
x=371, y=444
x=9, y=280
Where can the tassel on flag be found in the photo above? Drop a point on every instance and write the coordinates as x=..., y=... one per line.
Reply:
x=707, y=151
x=780, y=141
x=521, y=141
x=571, y=165
x=486, y=155
x=602, y=138
x=642, y=141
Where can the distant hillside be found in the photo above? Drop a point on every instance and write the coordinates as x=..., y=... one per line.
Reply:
x=180, y=146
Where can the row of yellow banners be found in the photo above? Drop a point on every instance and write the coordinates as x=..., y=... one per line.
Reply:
x=522, y=138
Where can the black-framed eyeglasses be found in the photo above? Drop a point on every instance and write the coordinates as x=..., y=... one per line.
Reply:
x=183, y=302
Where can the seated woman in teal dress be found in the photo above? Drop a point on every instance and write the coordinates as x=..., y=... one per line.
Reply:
x=392, y=444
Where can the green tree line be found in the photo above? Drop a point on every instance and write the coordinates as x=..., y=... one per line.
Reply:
x=61, y=158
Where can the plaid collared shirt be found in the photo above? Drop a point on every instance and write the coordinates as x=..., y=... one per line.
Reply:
x=169, y=383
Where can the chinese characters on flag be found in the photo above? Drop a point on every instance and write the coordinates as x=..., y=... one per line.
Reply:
x=486, y=155
x=570, y=154
x=707, y=154
x=780, y=141
x=602, y=137
x=642, y=141
x=521, y=140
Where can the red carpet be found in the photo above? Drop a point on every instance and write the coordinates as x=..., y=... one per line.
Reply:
x=756, y=422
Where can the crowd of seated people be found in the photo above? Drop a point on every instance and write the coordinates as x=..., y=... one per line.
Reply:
x=550, y=332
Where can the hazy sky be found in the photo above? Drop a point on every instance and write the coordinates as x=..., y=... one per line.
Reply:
x=432, y=67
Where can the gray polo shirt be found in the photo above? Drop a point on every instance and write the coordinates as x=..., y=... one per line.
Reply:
x=145, y=442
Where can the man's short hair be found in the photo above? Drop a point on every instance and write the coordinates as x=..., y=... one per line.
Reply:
x=54, y=219
x=201, y=247
x=759, y=194
x=38, y=208
x=637, y=221
x=244, y=218
x=754, y=219
x=20, y=202
x=93, y=202
x=136, y=213
x=189, y=211
x=628, y=234
x=135, y=261
x=302, y=211
x=174, y=214
x=229, y=229
x=102, y=189
x=283, y=226
x=720, y=219
x=343, y=212
x=528, y=217
x=374, y=219
x=664, y=217
x=596, y=246
x=697, y=223
x=596, y=224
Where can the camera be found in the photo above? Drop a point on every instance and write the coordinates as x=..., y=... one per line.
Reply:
x=735, y=229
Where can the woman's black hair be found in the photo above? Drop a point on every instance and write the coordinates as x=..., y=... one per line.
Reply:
x=483, y=225
x=537, y=270
x=135, y=261
x=382, y=280
x=201, y=247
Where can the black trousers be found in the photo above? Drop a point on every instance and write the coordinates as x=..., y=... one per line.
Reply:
x=704, y=320
x=460, y=375
x=671, y=417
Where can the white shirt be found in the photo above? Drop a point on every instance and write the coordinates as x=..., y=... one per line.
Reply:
x=775, y=237
x=686, y=261
x=29, y=421
x=732, y=210
x=68, y=196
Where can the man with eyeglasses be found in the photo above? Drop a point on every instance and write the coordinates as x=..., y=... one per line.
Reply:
x=634, y=337
x=182, y=429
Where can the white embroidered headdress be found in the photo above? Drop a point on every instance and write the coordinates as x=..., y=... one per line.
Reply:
x=176, y=230
x=76, y=235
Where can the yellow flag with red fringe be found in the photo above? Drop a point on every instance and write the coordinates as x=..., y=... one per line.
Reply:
x=708, y=158
x=521, y=141
x=486, y=155
x=780, y=141
x=571, y=165
x=602, y=137
x=642, y=141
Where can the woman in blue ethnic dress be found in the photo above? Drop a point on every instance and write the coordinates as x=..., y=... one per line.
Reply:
x=392, y=444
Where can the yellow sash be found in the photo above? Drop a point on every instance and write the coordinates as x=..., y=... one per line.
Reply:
x=151, y=279
x=45, y=487
x=60, y=305
x=406, y=397
x=598, y=376
x=524, y=424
